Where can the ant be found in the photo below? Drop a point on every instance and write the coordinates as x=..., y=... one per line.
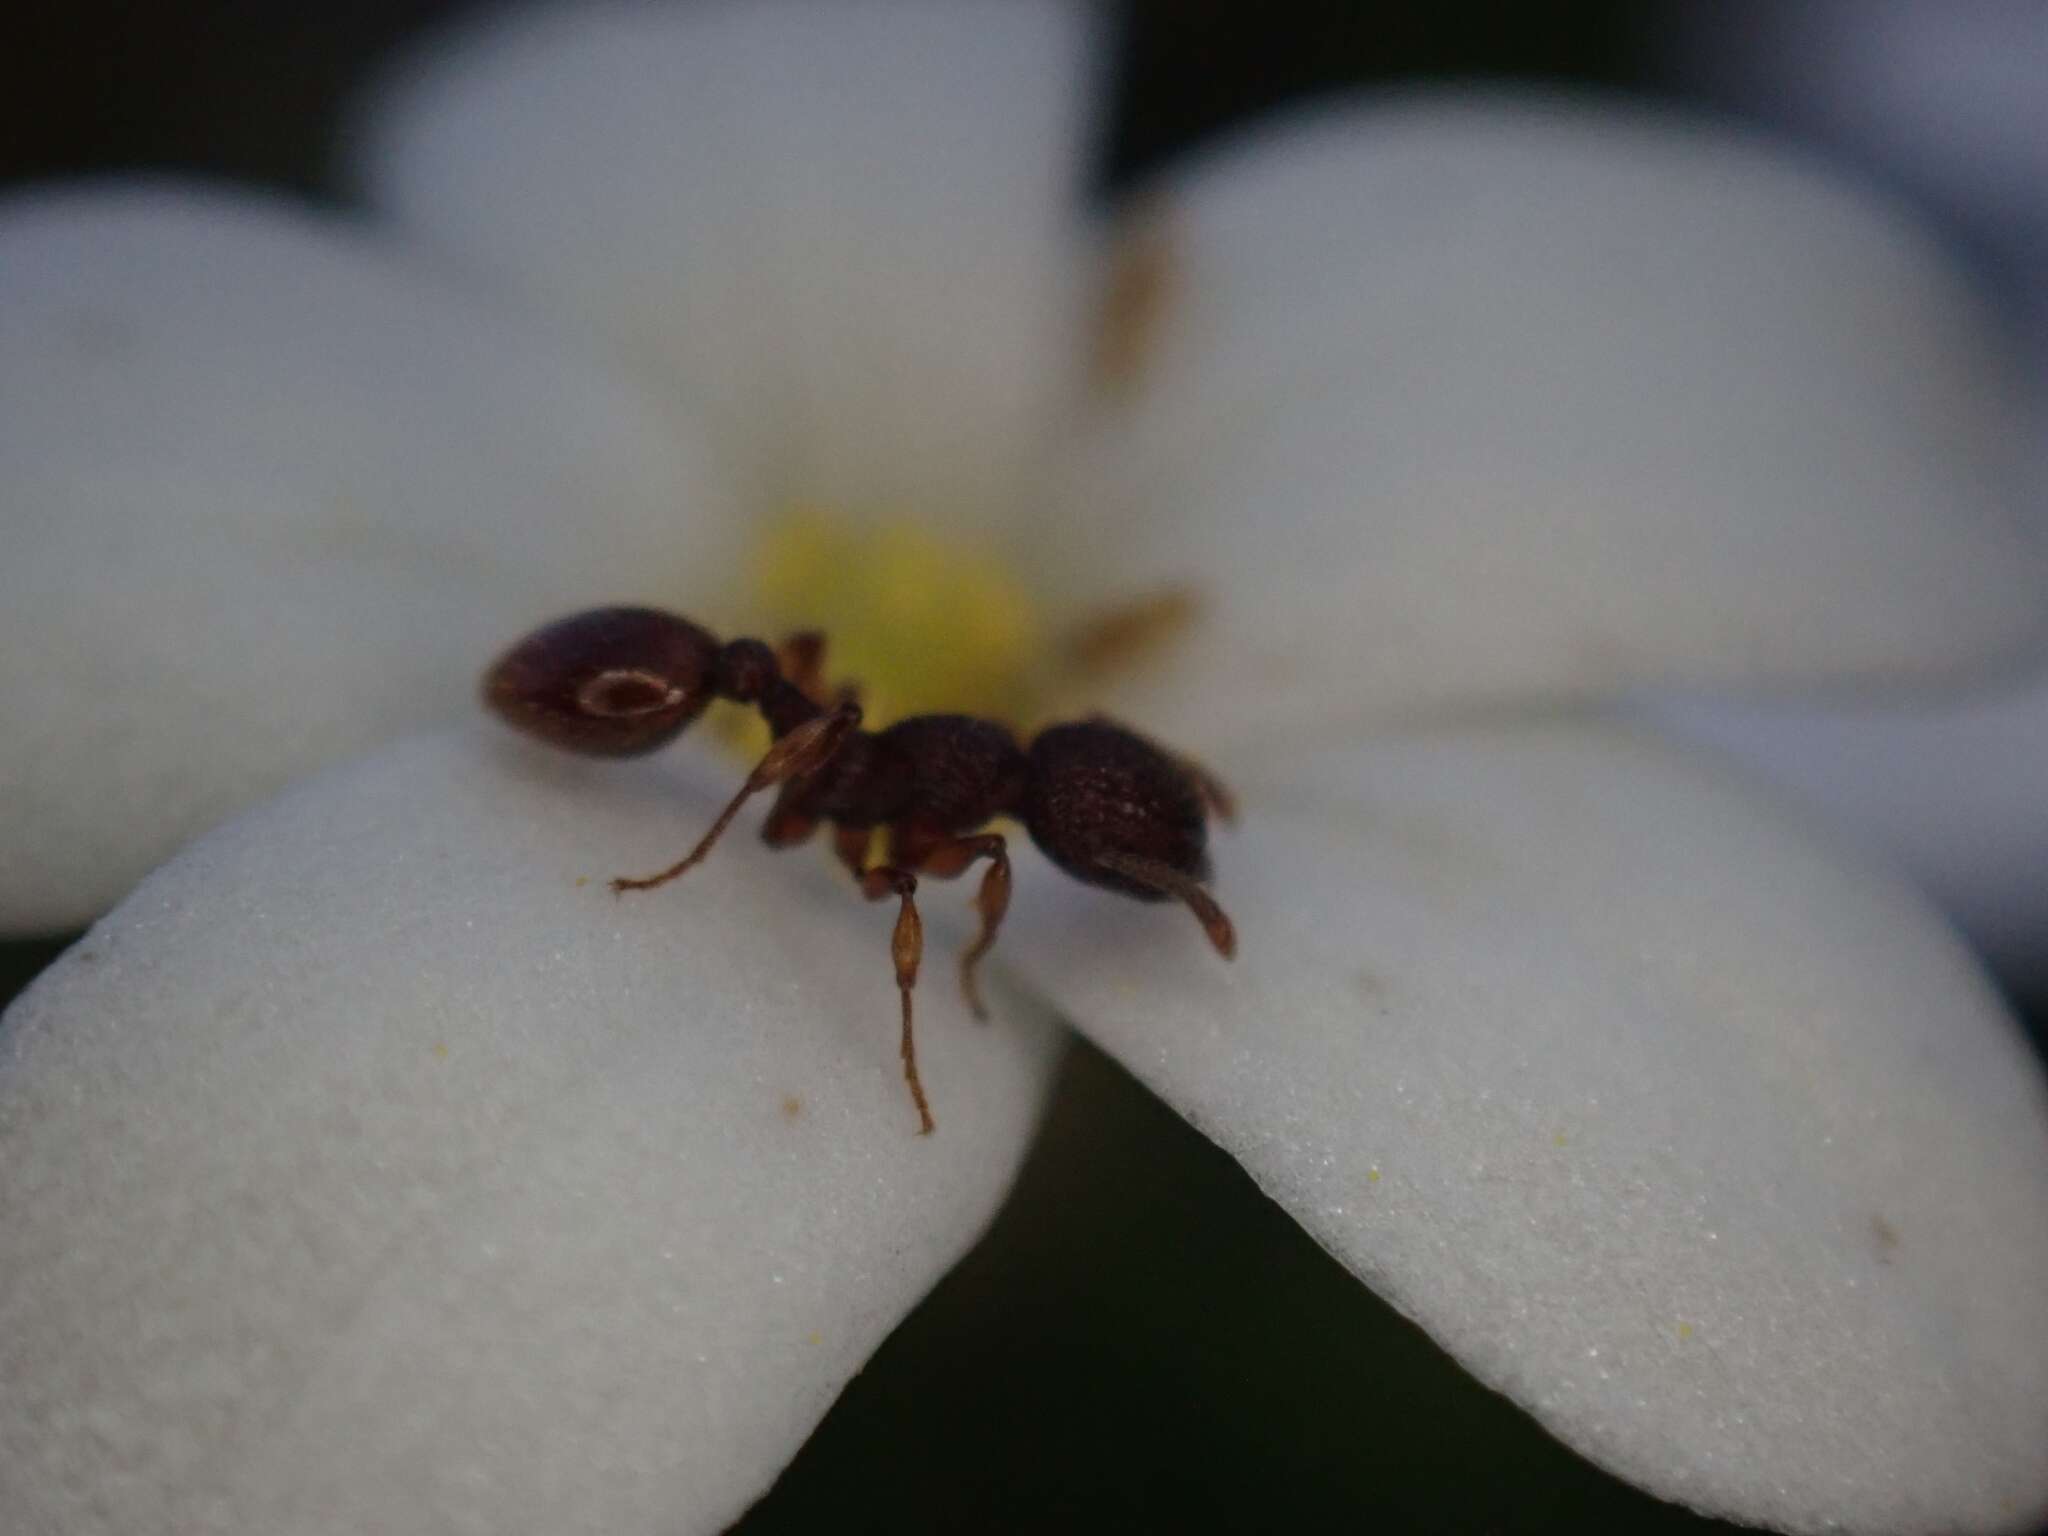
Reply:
x=1106, y=805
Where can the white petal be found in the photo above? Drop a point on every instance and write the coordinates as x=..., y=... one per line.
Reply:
x=849, y=229
x=1467, y=398
x=369, y=1171
x=1945, y=98
x=270, y=494
x=1956, y=790
x=1710, y=1148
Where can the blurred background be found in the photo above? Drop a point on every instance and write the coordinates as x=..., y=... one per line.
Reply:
x=1168, y=1351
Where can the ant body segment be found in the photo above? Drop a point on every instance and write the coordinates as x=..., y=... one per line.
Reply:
x=1105, y=805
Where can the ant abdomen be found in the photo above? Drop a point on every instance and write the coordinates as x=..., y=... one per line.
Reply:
x=1101, y=801
x=608, y=682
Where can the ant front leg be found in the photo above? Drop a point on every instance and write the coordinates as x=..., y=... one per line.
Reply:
x=803, y=751
x=789, y=824
x=801, y=657
x=951, y=858
x=906, y=943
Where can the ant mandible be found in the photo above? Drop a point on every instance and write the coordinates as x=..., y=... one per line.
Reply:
x=1107, y=806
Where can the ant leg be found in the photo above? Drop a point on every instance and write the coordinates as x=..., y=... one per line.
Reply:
x=951, y=858
x=1217, y=799
x=1169, y=881
x=906, y=944
x=850, y=847
x=801, y=657
x=906, y=948
x=786, y=825
x=804, y=750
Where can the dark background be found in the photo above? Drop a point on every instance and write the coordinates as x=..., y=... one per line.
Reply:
x=1142, y=1342
x=249, y=88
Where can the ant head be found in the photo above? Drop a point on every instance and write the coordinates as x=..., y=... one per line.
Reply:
x=1101, y=801
x=610, y=682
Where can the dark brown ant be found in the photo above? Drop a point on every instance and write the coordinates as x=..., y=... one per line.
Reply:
x=1107, y=806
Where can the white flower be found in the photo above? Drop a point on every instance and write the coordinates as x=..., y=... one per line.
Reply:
x=371, y=1168
x=1946, y=102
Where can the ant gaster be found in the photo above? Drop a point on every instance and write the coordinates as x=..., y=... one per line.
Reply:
x=1107, y=806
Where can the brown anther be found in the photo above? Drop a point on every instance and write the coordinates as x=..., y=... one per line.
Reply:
x=1133, y=632
x=1143, y=280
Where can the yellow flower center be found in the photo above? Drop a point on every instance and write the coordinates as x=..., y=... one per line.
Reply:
x=919, y=623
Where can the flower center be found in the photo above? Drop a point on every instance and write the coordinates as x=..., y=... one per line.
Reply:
x=921, y=623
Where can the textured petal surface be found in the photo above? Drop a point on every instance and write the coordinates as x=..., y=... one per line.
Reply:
x=849, y=229
x=368, y=1170
x=1712, y=1149
x=270, y=494
x=1956, y=790
x=1458, y=398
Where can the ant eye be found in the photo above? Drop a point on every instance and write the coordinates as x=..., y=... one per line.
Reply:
x=611, y=682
